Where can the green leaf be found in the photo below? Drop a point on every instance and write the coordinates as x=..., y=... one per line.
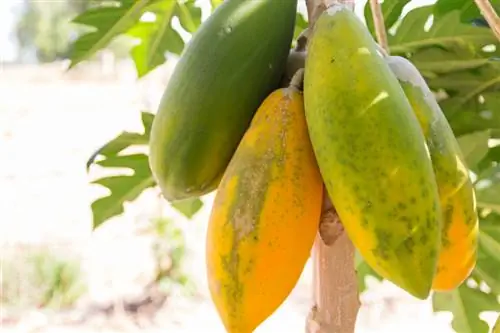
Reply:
x=478, y=114
x=156, y=38
x=124, y=140
x=466, y=304
x=470, y=83
x=468, y=9
x=189, y=15
x=474, y=147
x=443, y=61
x=488, y=189
x=446, y=32
x=300, y=25
x=215, y=3
x=488, y=257
x=491, y=159
x=363, y=270
x=123, y=188
x=108, y=22
x=391, y=10
x=188, y=207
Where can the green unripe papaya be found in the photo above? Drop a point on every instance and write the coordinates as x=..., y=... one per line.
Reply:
x=234, y=60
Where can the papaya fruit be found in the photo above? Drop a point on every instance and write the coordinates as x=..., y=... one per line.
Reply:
x=223, y=75
x=459, y=232
x=371, y=152
x=265, y=215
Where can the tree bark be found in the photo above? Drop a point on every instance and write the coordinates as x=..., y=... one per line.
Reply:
x=335, y=291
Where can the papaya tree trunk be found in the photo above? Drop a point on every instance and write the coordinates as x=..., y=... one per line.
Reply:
x=335, y=290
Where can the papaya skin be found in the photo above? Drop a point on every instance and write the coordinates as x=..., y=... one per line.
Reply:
x=371, y=153
x=460, y=221
x=223, y=75
x=265, y=215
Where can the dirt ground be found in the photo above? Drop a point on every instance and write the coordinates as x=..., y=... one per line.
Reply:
x=50, y=122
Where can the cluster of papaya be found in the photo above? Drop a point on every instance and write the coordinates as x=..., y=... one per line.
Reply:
x=359, y=125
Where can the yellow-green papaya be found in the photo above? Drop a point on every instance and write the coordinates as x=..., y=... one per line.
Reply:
x=265, y=215
x=371, y=152
x=234, y=60
x=460, y=221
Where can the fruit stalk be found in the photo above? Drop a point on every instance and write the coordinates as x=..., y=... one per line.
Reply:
x=335, y=291
x=490, y=15
x=379, y=24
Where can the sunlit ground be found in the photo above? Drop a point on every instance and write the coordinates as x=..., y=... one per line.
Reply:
x=49, y=124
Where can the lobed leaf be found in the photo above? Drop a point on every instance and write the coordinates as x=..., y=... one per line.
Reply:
x=107, y=22
x=446, y=32
x=466, y=304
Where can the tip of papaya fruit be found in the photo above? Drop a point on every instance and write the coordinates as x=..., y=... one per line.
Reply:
x=420, y=293
x=412, y=280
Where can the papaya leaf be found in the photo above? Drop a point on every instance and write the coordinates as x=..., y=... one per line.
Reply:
x=300, y=25
x=474, y=147
x=470, y=83
x=488, y=257
x=215, y=3
x=155, y=38
x=468, y=9
x=491, y=159
x=189, y=15
x=488, y=189
x=446, y=32
x=188, y=207
x=363, y=270
x=477, y=114
x=107, y=22
x=123, y=187
x=391, y=11
x=466, y=304
x=442, y=61
x=124, y=140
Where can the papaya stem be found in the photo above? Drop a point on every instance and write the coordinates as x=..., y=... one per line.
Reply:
x=302, y=41
x=379, y=24
x=490, y=15
x=297, y=79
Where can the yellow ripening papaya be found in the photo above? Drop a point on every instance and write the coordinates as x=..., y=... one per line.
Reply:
x=371, y=152
x=265, y=215
x=460, y=221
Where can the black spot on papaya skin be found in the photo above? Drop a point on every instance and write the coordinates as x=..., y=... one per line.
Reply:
x=409, y=244
x=384, y=246
x=447, y=220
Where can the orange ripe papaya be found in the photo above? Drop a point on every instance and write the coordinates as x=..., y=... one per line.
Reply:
x=265, y=215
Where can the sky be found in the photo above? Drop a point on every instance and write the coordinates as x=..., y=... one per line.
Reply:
x=8, y=18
